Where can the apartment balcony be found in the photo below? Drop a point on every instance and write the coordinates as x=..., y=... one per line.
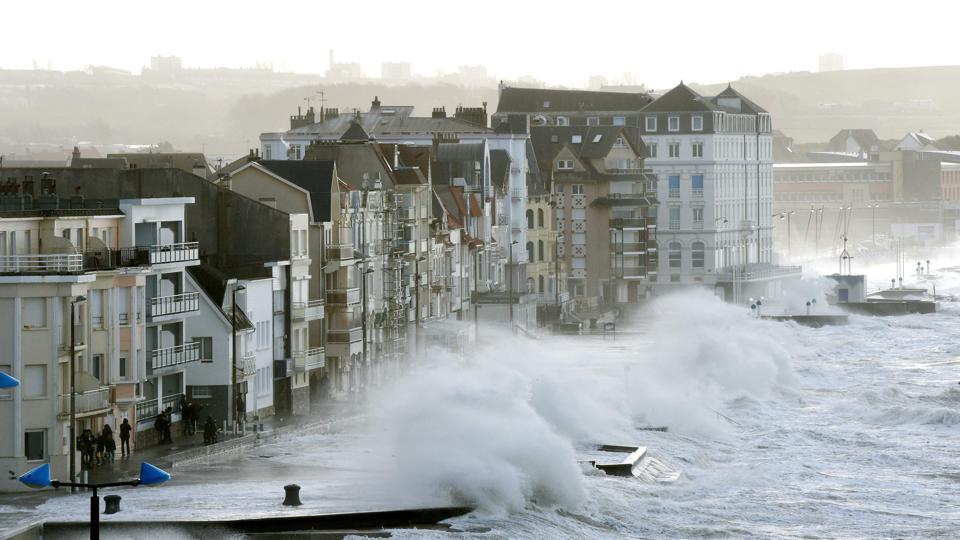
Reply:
x=406, y=213
x=674, y=193
x=343, y=297
x=174, y=253
x=307, y=359
x=628, y=247
x=177, y=355
x=629, y=272
x=518, y=193
x=54, y=263
x=696, y=193
x=247, y=364
x=345, y=335
x=308, y=311
x=88, y=403
x=339, y=252
x=628, y=223
x=404, y=246
x=177, y=304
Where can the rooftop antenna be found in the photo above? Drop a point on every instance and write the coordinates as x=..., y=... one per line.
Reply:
x=322, y=100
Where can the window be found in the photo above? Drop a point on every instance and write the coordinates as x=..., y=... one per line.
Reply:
x=263, y=334
x=696, y=254
x=597, y=138
x=34, y=444
x=540, y=217
x=651, y=123
x=673, y=255
x=696, y=122
x=540, y=250
x=578, y=189
x=576, y=139
x=563, y=121
x=295, y=151
x=593, y=121
x=565, y=164
x=540, y=284
x=96, y=308
x=697, y=186
x=529, y=218
x=34, y=312
x=530, y=253
x=206, y=348
x=674, y=181
x=698, y=218
x=652, y=150
x=697, y=149
x=674, y=149
x=96, y=367
x=34, y=381
x=554, y=138
x=619, y=121
x=619, y=142
x=546, y=104
x=201, y=392
x=674, y=217
x=122, y=366
x=673, y=123
x=267, y=151
x=558, y=188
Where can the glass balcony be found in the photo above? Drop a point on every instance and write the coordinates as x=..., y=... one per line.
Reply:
x=307, y=359
x=308, y=311
x=345, y=335
x=343, y=297
x=86, y=403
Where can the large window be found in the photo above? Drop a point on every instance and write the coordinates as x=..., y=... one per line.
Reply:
x=673, y=123
x=674, y=149
x=34, y=444
x=529, y=218
x=696, y=122
x=697, y=254
x=674, y=217
x=651, y=123
x=34, y=312
x=576, y=139
x=34, y=381
x=652, y=150
x=578, y=189
x=540, y=250
x=206, y=348
x=698, y=218
x=540, y=217
x=674, y=186
x=697, y=185
x=530, y=253
x=565, y=164
x=696, y=149
x=563, y=121
x=673, y=255
x=619, y=121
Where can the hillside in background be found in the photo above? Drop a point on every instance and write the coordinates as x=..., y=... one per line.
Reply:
x=223, y=113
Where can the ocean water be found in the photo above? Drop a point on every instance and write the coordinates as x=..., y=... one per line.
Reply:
x=779, y=431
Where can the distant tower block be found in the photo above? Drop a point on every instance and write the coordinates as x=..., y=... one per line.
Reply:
x=831, y=62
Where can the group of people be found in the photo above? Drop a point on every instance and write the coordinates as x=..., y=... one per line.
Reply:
x=101, y=449
x=162, y=426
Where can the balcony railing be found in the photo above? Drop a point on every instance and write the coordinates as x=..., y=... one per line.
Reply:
x=54, y=263
x=343, y=297
x=518, y=193
x=174, y=304
x=150, y=408
x=407, y=213
x=308, y=311
x=90, y=402
x=628, y=223
x=404, y=246
x=344, y=335
x=175, y=356
x=248, y=364
x=173, y=253
x=697, y=193
x=307, y=359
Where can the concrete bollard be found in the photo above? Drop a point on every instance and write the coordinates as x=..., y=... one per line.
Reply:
x=292, y=497
x=113, y=504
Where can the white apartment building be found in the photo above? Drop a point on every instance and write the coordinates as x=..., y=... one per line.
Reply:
x=110, y=268
x=713, y=159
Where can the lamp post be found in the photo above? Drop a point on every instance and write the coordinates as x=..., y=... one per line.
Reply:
x=233, y=372
x=787, y=216
x=364, y=272
x=873, y=220
x=73, y=386
x=510, y=297
x=40, y=477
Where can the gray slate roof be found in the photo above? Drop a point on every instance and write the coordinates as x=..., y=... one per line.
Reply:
x=314, y=176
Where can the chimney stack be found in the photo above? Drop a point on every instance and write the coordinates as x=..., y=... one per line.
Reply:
x=439, y=112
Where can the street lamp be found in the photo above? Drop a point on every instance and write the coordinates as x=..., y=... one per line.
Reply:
x=510, y=297
x=787, y=216
x=73, y=386
x=237, y=412
x=40, y=478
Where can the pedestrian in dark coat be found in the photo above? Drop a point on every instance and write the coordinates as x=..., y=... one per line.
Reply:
x=125, y=430
x=109, y=445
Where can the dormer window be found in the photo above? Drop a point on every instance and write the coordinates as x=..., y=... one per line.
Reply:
x=696, y=122
x=576, y=139
x=673, y=123
x=546, y=104
x=563, y=121
x=565, y=164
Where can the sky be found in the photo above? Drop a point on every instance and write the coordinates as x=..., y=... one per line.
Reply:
x=559, y=42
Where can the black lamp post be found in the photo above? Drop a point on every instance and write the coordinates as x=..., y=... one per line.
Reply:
x=40, y=477
x=73, y=386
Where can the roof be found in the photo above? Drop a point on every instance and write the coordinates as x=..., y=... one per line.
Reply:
x=499, y=168
x=213, y=284
x=680, y=98
x=385, y=120
x=447, y=152
x=865, y=138
x=314, y=176
x=530, y=100
x=596, y=141
x=355, y=133
x=745, y=104
x=98, y=163
x=185, y=161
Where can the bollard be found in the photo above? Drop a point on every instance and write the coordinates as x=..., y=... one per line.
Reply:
x=292, y=497
x=113, y=504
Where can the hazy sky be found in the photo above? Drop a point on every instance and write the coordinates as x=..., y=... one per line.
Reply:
x=560, y=42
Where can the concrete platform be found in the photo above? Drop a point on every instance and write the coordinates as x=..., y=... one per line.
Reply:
x=815, y=321
x=637, y=464
x=884, y=308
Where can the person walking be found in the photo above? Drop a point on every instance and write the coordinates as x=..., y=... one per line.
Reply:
x=125, y=438
x=99, y=443
x=109, y=445
x=167, y=425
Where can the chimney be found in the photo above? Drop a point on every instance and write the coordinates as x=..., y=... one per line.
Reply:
x=474, y=115
x=439, y=112
x=375, y=104
x=332, y=113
